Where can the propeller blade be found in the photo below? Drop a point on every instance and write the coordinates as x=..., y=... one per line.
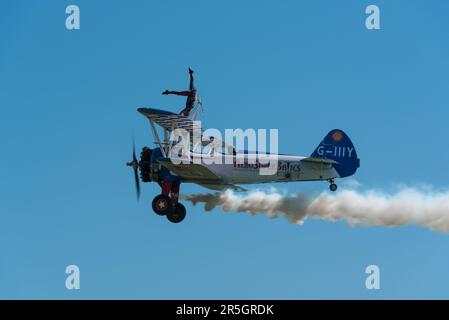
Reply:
x=135, y=165
x=134, y=153
x=136, y=177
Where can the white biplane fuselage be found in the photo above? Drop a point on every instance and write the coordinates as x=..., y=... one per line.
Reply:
x=233, y=170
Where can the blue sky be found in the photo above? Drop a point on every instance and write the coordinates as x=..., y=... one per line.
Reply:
x=68, y=101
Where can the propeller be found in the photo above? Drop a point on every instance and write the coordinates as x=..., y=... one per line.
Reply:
x=135, y=165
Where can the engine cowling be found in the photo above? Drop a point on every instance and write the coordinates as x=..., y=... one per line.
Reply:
x=149, y=171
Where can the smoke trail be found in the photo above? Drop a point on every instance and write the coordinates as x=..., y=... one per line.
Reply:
x=406, y=207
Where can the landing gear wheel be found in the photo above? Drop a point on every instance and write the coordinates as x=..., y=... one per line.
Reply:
x=177, y=214
x=333, y=187
x=162, y=204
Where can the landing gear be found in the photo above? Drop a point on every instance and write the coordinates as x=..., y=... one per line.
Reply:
x=162, y=204
x=166, y=204
x=177, y=214
x=332, y=186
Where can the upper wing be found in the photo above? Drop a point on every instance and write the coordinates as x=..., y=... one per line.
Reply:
x=170, y=121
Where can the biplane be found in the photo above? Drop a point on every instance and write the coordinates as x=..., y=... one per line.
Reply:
x=335, y=157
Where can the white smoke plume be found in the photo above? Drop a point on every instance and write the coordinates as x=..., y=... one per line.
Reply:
x=424, y=208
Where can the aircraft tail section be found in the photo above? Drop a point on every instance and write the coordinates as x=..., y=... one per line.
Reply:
x=338, y=147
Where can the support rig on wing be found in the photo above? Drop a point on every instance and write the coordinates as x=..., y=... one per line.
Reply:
x=150, y=170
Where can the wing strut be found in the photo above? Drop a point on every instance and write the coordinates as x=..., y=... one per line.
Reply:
x=156, y=136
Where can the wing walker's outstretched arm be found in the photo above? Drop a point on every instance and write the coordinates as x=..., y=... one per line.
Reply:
x=178, y=93
x=190, y=94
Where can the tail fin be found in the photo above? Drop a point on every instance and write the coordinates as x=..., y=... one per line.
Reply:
x=338, y=147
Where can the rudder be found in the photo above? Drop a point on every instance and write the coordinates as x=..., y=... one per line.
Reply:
x=338, y=147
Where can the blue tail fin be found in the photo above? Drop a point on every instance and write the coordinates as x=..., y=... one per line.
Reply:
x=338, y=147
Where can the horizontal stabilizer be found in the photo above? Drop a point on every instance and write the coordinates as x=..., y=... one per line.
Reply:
x=319, y=160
